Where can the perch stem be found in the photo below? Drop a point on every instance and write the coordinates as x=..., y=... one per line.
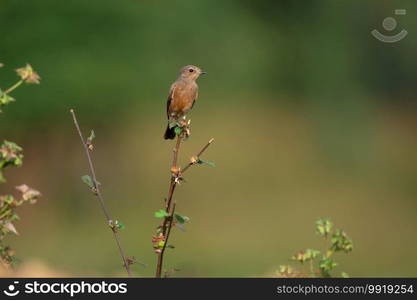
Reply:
x=169, y=220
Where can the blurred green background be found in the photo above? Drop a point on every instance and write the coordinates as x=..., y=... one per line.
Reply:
x=312, y=116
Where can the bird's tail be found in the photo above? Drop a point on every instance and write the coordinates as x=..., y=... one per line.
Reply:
x=169, y=133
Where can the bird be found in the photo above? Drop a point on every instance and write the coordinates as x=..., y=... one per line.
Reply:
x=182, y=96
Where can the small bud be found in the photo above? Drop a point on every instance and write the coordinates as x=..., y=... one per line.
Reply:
x=90, y=139
x=194, y=159
x=187, y=132
x=175, y=170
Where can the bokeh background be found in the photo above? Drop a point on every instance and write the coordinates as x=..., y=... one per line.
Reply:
x=312, y=116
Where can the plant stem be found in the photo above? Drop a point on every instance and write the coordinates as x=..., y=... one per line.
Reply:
x=100, y=197
x=165, y=228
x=13, y=87
x=168, y=220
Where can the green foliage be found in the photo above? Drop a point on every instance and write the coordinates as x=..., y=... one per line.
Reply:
x=344, y=275
x=308, y=254
x=173, y=124
x=324, y=227
x=204, y=162
x=119, y=225
x=11, y=156
x=27, y=75
x=5, y=99
x=88, y=181
x=326, y=264
x=178, y=130
x=181, y=219
x=161, y=214
x=116, y=225
x=324, y=261
x=341, y=242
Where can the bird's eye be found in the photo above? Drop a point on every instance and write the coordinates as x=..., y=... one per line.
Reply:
x=191, y=70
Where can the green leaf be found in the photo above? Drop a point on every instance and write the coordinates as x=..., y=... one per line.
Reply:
x=326, y=264
x=286, y=270
x=161, y=214
x=178, y=130
x=345, y=275
x=181, y=219
x=311, y=253
x=88, y=181
x=172, y=124
x=119, y=225
x=324, y=227
x=5, y=98
x=340, y=241
x=204, y=162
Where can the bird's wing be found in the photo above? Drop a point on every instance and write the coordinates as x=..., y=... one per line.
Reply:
x=170, y=96
x=195, y=96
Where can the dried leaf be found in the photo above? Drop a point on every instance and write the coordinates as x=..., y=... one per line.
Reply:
x=10, y=227
x=28, y=194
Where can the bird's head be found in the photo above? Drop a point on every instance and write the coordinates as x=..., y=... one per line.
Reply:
x=191, y=72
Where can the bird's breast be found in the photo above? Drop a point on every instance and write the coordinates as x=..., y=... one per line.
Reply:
x=183, y=97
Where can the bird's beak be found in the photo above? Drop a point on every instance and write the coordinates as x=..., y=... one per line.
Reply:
x=203, y=72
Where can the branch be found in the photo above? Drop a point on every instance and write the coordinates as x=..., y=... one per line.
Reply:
x=126, y=261
x=196, y=158
x=169, y=218
x=175, y=178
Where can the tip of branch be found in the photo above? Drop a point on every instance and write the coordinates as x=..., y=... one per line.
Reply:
x=71, y=110
x=211, y=141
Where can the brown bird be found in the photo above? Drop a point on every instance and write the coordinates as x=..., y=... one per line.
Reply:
x=182, y=95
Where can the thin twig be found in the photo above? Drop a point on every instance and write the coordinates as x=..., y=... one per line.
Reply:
x=197, y=156
x=100, y=197
x=13, y=87
x=168, y=220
